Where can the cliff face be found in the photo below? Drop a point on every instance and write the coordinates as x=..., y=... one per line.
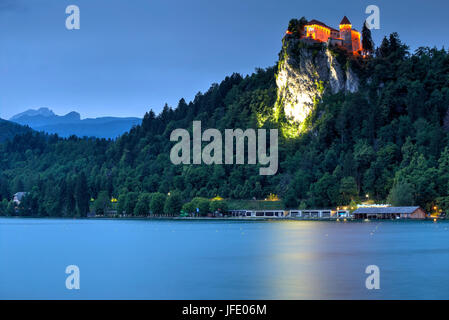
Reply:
x=306, y=72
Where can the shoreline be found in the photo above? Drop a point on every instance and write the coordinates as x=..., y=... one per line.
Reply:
x=221, y=219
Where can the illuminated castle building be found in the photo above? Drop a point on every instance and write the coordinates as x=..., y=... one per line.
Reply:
x=346, y=37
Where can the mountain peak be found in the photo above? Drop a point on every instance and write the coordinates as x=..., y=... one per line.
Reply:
x=44, y=112
x=73, y=116
x=45, y=120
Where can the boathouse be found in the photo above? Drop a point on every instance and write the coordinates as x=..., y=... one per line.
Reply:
x=390, y=213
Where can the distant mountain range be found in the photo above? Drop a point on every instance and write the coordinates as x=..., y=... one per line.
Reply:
x=46, y=120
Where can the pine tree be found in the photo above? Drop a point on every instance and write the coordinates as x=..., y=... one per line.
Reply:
x=70, y=197
x=296, y=27
x=82, y=196
x=4, y=193
x=173, y=204
x=18, y=185
x=384, y=49
x=367, y=41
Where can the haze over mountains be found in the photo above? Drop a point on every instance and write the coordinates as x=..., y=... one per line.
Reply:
x=46, y=120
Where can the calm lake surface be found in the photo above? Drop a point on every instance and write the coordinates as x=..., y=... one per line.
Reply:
x=143, y=259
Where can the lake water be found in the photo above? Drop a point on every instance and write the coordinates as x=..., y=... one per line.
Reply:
x=143, y=259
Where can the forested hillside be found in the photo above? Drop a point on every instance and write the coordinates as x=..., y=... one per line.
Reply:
x=388, y=140
x=9, y=130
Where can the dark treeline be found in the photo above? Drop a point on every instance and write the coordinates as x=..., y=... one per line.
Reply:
x=388, y=141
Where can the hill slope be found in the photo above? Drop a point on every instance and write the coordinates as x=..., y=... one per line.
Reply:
x=385, y=140
x=9, y=129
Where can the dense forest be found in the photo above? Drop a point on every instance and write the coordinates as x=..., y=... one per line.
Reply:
x=386, y=142
x=9, y=129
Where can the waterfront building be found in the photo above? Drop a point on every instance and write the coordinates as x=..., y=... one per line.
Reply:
x=258, y=213
x=390, y=213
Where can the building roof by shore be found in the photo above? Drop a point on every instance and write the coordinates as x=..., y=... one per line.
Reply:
x=386, y=210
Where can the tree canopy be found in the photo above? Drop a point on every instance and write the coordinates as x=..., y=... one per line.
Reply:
x=388, y=140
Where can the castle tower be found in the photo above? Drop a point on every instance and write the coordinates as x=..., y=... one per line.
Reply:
x=346, y=33
x=351, y=37
x=346, y=37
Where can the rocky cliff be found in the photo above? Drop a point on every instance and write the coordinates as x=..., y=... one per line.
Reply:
x=306, y=71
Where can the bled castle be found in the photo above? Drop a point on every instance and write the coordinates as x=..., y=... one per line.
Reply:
x=346, y=36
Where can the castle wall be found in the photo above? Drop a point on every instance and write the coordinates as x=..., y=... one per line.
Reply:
x=318, y=33
x=335, y=34
x=346, y=37
x=356, y=43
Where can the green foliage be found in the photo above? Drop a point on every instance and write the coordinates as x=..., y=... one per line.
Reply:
x=121, y=204
x=402, y=194
x=218, y=206
x=102, y=203
x=201, y=206
x=367, y=41
x=3, y=207
x=130, y=202
x=296, y=27
x=291, y=200
x=348, y=190
x=188, y=207
x=143, y=205
x=443, y=204
x=392, y=132
x=324, y=192
x=173, y=204
x=10, y=209
x=10, y=129
x=254, y=205
x=157, y=203
x=82, y=197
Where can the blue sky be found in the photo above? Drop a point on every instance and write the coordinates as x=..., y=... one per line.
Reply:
x=130, y=56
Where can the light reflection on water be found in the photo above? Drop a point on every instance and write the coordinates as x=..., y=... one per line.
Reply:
x=142, y=259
